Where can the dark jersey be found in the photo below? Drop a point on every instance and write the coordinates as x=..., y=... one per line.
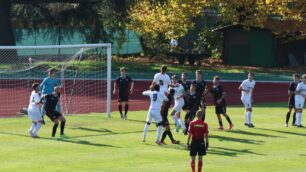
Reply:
x=123, y=84
x=166, y=104
x=217, y=93
x=292, y=88
x=51, y=102
x=200, y=87
x=193, y=101
x=186, y=85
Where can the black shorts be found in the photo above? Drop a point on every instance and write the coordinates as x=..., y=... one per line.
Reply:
x=185, y=107
x=220, y=109
x=165, y=122
x=53, y=115
x=123, y=98
x=190, y=115
x=291, y=103
x=197, y=147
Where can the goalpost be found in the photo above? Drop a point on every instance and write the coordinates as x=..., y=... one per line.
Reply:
x=84, y=71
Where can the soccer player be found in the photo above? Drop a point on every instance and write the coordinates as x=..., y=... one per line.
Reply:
x=51, y=101
x=291, y=94
x=164, y=113
x=193, y=101
x=220, y=104
x=300, y=95
x=186, y=84
x=179, y=93
x=47, y=87
x=198, y=131
x=34, y=111
x=247, y=89
x=201, y=89
x=157, y=99
x=124, y=86
x=162, y=79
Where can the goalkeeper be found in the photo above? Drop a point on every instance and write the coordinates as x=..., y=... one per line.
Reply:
x=47, y=87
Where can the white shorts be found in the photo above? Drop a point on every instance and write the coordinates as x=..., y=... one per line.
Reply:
x=299, y=101
x=154, y=114
x=178, y=104
x=246, y=100
x=34, y=114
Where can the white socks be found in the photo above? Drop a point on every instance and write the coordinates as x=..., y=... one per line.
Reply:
x=146, y=129
x=159, y=131
x=298, y=118
x=32, y=128
x=181, y=123
x=250, y=117
x=36, y=129
x=175, y=120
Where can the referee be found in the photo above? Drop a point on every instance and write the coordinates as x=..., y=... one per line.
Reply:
x=198, y=131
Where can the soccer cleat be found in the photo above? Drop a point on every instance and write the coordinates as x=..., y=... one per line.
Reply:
x=159, y=143
x=286, y=125
x=30, y=133
x=35, y=136
x=175, y=142
x=251, y=125
x=143, y=140
x=221, y=128
x=246, y=124
x=230, y=126
x=300, y=126
x=121, y=116
x=163, y=143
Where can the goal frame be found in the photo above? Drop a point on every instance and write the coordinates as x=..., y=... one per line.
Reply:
x=108, y=47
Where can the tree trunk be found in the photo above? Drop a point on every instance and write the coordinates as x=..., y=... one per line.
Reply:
x=6, y=31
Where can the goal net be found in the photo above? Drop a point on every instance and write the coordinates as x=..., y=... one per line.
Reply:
x=84, y=72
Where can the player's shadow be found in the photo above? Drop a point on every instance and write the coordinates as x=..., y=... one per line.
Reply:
x=302, y=154
x=68, y=140
x=230, y=152
x=240, y=140
x=254, y=134
x=282, y=132
x=102, y=130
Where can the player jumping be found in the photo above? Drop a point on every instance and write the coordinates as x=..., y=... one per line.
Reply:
x=300, y=95
x=124, y=86
x=291, y=94
x=162, y=79
x=247, y=90
x=198, y=132
x=157, y=99
x=220, y=104
x=51, y=101
x=34, y=111
x=164, y=113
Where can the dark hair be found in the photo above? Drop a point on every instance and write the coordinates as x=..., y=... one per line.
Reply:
x=199, y=71
x=217, y=77
x=296, y=75
x=122, y=68
x=185, y=73
x=174, y=77
x=251, y=73
x=156, y=87
x=35, y=85
x=163, y=68
x=171, y=92
x=52, y=70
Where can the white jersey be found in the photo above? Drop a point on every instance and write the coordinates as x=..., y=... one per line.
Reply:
x=34, y=99
x=156, y=98
x=163, y=80
x=179, y=90
x=301, y=88
x=247, y=85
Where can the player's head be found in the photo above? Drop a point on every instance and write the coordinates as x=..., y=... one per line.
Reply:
x=198, y=74
x=163, y=69
x=122, y=71
x=304, y=78
x=35, y=86
x=174, y=79
x=193, y=87
x=296, y=77
x=184, y=76
x=156, y=87
x=57, y=89
x=199, y=114
x=52, y=72
x=216, y=80
x=251, y=76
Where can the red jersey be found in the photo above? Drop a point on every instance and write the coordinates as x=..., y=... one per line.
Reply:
x=197, y=129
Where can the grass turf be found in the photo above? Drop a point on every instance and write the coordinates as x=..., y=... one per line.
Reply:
x=97, y=143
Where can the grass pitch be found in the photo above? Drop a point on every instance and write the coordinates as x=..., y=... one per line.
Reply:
x=97, y=143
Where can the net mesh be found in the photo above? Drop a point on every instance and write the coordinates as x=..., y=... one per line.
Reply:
x=82, y=71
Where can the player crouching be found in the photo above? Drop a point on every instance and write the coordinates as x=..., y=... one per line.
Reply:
x=51, y=101
x=157, y=99
x=198, y=131
x=34, y=111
